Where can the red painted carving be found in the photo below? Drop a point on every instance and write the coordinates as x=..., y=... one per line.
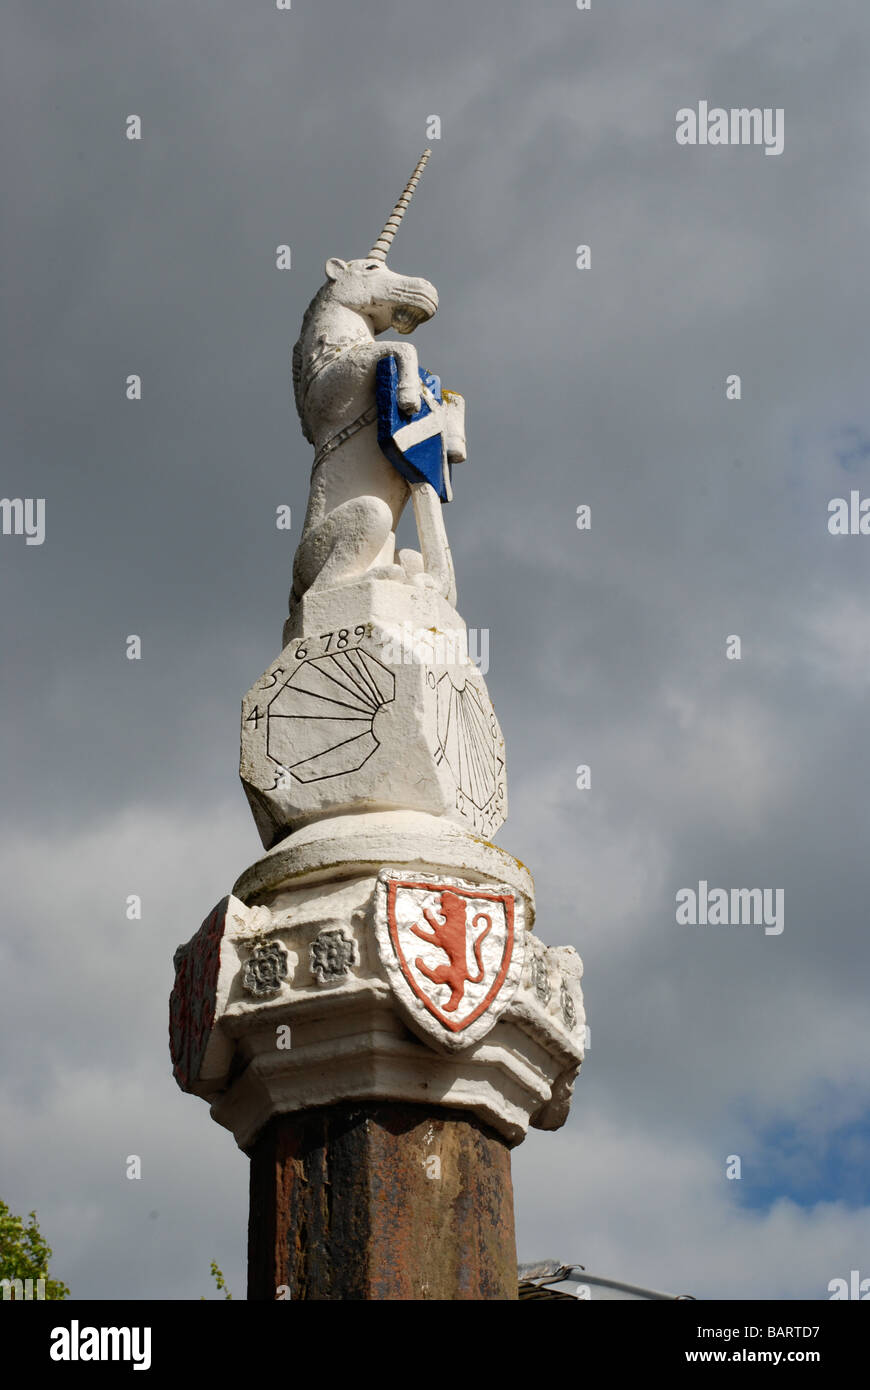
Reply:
x=450, y=935
x=192, y=1002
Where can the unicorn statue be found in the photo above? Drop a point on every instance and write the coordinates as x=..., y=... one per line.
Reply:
x=382, y=928
x=381, y=427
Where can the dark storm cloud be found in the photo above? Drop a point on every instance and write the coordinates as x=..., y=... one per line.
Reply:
x=606, y=647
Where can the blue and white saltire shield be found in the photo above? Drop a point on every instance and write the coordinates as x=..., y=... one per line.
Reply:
x=414, y=444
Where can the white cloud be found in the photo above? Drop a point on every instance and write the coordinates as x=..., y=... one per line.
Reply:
x=641, y=1207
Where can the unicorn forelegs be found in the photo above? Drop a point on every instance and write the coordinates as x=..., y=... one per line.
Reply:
x=408, y=384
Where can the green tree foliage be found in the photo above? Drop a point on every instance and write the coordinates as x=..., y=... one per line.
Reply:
x=24, y=1254
x=219, y=1280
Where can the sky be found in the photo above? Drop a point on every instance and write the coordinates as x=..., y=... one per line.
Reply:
x=608, y=647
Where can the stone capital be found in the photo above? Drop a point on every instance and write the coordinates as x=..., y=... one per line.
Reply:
x=377, y=975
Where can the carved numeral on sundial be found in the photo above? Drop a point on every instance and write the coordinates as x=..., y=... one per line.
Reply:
x=342, y=637
x=466, y=808
x=255, y=715
x=273, y=679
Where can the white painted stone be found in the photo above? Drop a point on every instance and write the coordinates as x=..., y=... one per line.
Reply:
x=520, y=1072
x=346, y=846
x=381, y=949
x=373, y=703
x=357, y=496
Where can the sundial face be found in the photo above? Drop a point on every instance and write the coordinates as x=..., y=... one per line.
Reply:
x=372, y=714
x=321, y=721
x=470, y=744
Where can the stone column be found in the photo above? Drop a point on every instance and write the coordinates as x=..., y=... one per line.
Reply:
x=381, y=1201
x=369, y=1011
x=377, y=962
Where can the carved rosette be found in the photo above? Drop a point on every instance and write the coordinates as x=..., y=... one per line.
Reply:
x=264, y=970
x=333, y=952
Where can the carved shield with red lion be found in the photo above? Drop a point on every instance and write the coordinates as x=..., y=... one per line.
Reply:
x=453, y=952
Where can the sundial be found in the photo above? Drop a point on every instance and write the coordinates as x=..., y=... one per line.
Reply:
x=336, y=699
x=471, y=745
x=346, y=715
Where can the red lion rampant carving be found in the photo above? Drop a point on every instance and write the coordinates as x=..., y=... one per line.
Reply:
x=450, y=936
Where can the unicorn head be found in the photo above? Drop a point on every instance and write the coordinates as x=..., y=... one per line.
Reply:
x=382, y=296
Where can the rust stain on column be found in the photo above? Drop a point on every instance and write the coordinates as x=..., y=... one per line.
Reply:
x=381, y=1201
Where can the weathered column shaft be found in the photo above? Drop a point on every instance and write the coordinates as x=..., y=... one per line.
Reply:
x=376, y=1201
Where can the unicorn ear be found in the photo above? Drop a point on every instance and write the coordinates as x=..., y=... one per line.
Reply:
x=333, y=266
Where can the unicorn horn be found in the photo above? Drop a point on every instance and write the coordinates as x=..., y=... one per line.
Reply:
x=382, y=245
